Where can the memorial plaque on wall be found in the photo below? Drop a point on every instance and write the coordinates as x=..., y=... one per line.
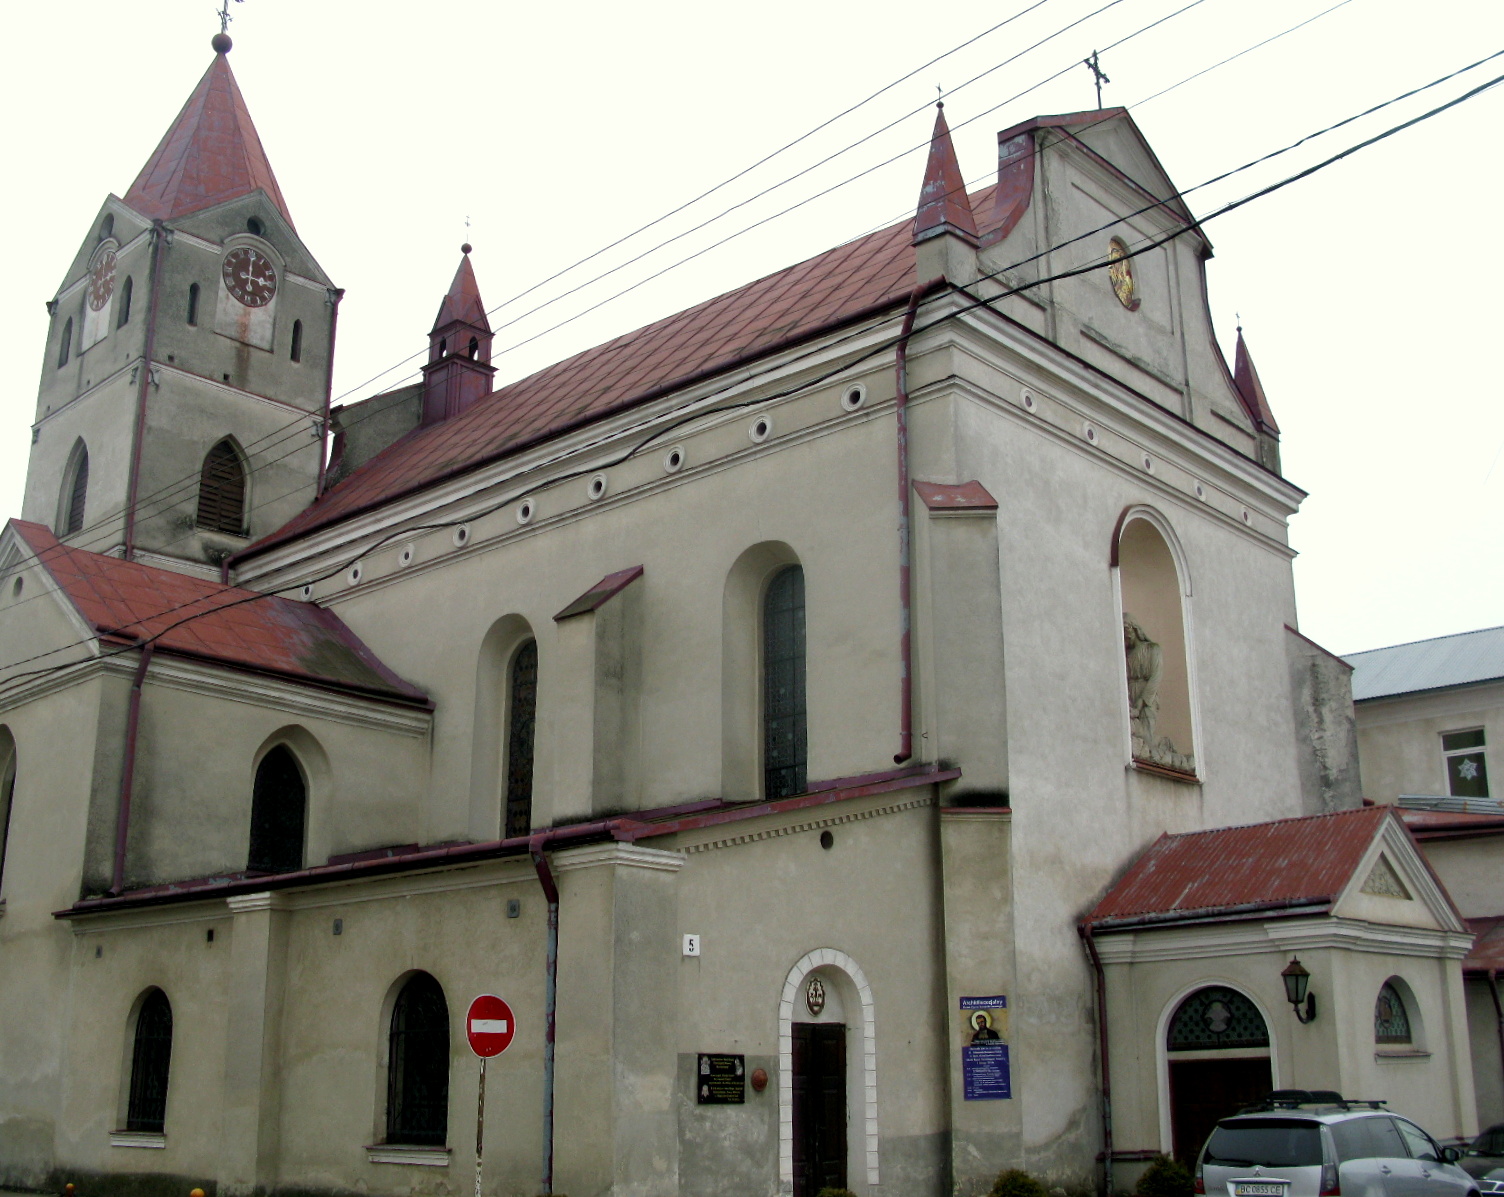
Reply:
x=722, y=1080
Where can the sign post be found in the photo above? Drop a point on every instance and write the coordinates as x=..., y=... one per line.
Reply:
x=489, y=1026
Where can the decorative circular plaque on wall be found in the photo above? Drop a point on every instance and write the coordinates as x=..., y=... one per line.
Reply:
x=1120, y=274
x=814, y=996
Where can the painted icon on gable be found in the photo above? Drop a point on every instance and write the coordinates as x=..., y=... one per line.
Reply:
x=1120, y=274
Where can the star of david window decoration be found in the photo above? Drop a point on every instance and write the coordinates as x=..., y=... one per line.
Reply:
x=1467, y=770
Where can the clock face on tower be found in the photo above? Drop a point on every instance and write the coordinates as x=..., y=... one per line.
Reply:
x=102, y=280
x=249, y=276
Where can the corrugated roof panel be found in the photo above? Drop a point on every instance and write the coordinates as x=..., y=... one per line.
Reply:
x=1458, y=660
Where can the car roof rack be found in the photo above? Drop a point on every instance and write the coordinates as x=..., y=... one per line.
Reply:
x=1294, y=1099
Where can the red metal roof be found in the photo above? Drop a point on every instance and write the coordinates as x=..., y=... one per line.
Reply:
x=942, y=198
x=211, y=154
x=1289, y=863
x=1245, y=377
x=1487, y=954
x=955, y=496
x=124, y=602
x=462, y=304
x=1450, y=825
x=799, y=302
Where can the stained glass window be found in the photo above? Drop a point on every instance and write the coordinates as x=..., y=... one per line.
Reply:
x=151, y=1059
x=278, y=810
x=1391, y=1022
x=1216, y=1017
x=785, y=735
x=417, y=1093
x=524, y=714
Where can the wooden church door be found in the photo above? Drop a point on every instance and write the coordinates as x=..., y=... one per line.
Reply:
x=819, y=1084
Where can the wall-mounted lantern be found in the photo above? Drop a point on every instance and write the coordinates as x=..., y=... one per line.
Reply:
x=1297, y=983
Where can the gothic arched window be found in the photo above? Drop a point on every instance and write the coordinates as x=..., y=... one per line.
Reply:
x=65, y=347
x=1391, y=1021
x=785, y=739
x=417, y=1082
x=192, y=303
x=1216, y=1017
x=151, y=1058
x=125, y=303
x=76, y=490
x=522, y=705
x=221, y=490
x=279, y=806
x=297, y=341
x=474, y=348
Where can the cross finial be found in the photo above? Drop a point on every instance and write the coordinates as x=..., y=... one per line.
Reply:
x=224, y=15
x=1097, y=74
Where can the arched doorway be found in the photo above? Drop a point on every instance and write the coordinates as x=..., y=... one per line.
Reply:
x=1217, y=1057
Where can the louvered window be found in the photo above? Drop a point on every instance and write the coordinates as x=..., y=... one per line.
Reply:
x=278, y=810
x=65, y=348
x=221, y=491
x=78, y=492
x=151, y=1058
x=417, y=1090
x=785, y=735
x=193, y=303
x=524, y=713
x=125, y=304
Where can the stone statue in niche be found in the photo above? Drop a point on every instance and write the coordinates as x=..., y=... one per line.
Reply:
x=1145, y=666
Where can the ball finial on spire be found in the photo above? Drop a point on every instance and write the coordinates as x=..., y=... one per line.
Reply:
x=466, y=248
x=221, y=43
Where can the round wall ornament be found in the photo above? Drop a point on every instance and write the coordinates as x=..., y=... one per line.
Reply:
x=814, y=996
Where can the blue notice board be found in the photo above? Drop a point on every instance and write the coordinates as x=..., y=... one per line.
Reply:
x=985, y=1072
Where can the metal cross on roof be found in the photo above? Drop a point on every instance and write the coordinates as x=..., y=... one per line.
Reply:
x=224, y=15
x=1096, y=71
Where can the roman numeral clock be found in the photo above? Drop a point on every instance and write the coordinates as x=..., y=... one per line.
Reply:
x=249, y=278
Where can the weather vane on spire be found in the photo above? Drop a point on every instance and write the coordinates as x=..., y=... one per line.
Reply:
x=224, y=15
x=1096, y=71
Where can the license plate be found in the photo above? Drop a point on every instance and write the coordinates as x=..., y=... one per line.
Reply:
x=1258, y=1188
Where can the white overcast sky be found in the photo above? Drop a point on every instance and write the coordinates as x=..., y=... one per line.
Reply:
x=1370, y=294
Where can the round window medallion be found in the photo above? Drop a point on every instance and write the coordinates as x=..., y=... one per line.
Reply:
x=1030, y=403
x=854, y=397
x=307, y=593
x=597, y=488
x=462, y=535
x=525, y=511
x=761, y=429
x=1091, y=434
x=1120, y=274
x=673, y=460
x=1200, y=491
x=814, y=996
x=405, y=557
x=1149, y=463
x=355, y=574
x=1247, y=519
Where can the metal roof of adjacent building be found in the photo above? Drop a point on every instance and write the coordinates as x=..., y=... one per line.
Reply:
x=1487, y=954
x=125, y=602
x=1436, y=664
x=1300, y=864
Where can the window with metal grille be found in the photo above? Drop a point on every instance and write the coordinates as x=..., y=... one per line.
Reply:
x=78, y=491
x=278, y=808
x=523, y=705
x=1391, y=1021
x=417, y=1088
x=125, y=304
x=151, y=1057
x=221, y=490
x=1216, y=1017
x=193, y=303
x=785, y=743
x=65, y=347
x=297, y=341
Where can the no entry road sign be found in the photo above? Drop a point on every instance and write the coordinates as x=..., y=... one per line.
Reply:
x=489, y=1026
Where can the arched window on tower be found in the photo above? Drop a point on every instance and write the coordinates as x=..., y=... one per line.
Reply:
x=75, y=490
x=125, y=303
x=1391, y=1019
x=297, y=341
x=417, y=1088
x=522, y=705
x=785, y=749
x=279, y=805
x=221, y=490
x=192, y=303
x=151, y=1060
x=474, y=349
x=65, y=346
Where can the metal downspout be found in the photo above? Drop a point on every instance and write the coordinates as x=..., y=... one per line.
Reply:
x=905, y=630
x=335, y=295
x=138, y=434
x=550, y=1001
x=1101, y=984
x=128, y=770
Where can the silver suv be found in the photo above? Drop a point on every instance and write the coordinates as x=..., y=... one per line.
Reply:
x=1299, y=1144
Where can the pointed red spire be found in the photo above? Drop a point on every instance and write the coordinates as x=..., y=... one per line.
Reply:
x=462, y=305
x=1246, y=378
x=210, y=154
x=943, y=205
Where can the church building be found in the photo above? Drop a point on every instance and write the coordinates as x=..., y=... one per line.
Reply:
x=857, y=724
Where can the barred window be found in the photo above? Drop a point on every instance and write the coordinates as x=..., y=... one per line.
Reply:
x=221, y=490
x=278, y=810
x=77, y=492
x=785, y=732
x=1391, y=1021
x=523, y=704
x=417, y=1092
x=1216, y=1017
x=151, y=1058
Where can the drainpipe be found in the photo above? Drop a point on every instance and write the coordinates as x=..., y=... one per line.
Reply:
x=1085, y=931
x=335, y=295
x=905, y=635
x=128, y=770
x=138, y=436
x=535, y=848
x=1493, y=989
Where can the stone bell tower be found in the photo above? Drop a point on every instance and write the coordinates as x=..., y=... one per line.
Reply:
x=182, y=405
